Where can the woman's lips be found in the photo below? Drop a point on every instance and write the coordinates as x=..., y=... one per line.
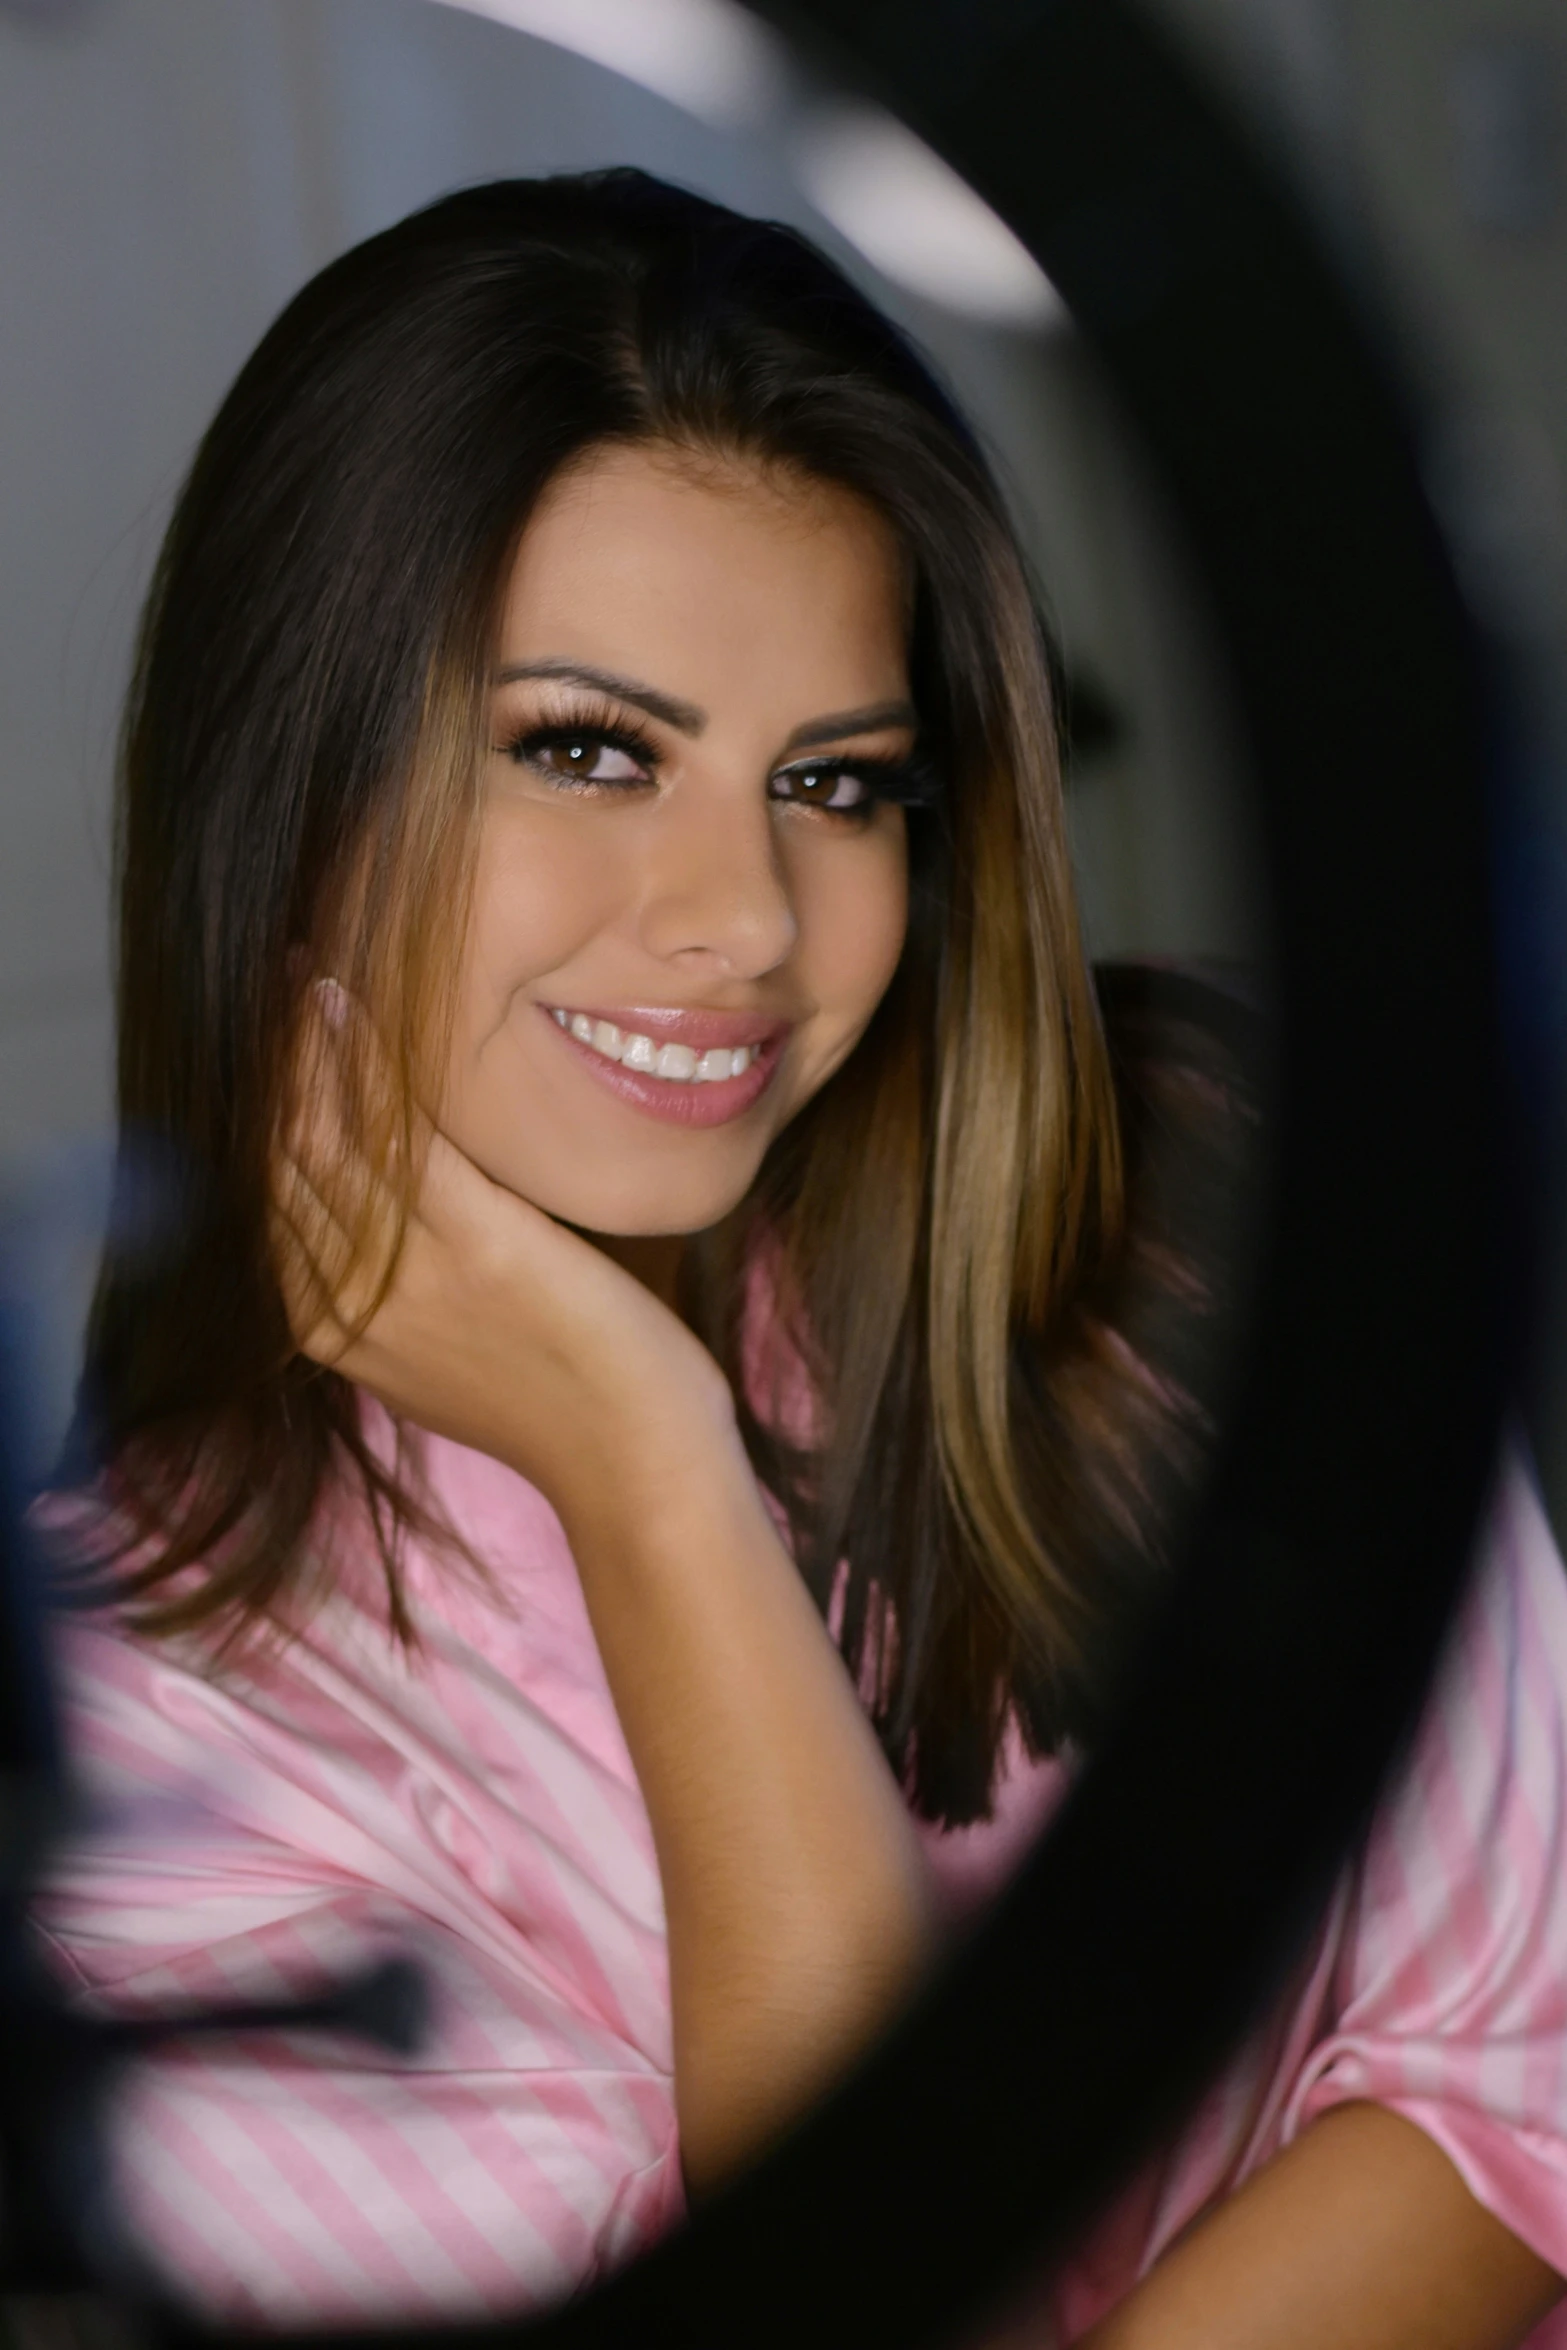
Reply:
x=669, y=1024
x=695, y=1097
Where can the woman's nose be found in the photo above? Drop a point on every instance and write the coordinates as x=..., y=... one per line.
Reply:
x=716, y=889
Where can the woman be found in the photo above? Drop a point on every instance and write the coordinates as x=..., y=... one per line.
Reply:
x=631, y=1473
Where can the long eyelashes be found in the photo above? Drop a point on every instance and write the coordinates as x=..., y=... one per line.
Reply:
x=588, y=728
x=907, y=783
x=566, y=749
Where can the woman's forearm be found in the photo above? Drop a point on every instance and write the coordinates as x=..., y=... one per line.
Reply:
x=798, y=1905
x=1360, y=2236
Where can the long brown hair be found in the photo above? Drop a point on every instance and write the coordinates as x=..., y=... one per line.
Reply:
x=942, y=1229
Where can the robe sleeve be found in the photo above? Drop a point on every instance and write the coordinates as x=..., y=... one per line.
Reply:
x=1450, y=1998
x=308, y=2178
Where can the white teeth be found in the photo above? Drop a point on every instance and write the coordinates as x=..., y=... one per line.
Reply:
x=678, y=1064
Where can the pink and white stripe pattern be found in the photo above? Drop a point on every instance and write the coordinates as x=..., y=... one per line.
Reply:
x=260, y=1831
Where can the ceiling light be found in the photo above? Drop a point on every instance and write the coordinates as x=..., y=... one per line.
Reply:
x=707, y=56
x=918, y=222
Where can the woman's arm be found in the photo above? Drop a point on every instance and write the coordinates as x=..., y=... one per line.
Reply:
x=1359, y=2236
x=796, y=1893
x=798, y=1904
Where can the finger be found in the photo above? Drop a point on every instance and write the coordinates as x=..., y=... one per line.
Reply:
x=315, y=1121
x=303, y=1214
x=327, y=1269
x=344, y=1118
x=335, y=1228
x=311, y=1251
x=365, y=1093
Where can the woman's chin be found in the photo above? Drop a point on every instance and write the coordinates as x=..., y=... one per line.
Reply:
x=606, y=1213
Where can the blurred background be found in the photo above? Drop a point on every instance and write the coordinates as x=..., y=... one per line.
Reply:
x=171, y=171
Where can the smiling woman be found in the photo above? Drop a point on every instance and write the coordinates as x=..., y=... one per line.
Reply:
x=637, y=1468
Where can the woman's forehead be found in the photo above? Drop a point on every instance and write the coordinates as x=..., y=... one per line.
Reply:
x=703, y=574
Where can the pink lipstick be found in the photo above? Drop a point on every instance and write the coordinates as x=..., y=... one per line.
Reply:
x=684, y=1066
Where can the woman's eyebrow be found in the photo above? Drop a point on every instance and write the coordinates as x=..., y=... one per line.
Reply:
x=869, y=720
x=684, y=717
x=687, y=718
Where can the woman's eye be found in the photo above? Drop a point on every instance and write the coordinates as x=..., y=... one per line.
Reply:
x=838, y=788
x=580, y=758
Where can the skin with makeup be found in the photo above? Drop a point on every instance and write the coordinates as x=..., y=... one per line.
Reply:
x=678, y=876
x=692, y=846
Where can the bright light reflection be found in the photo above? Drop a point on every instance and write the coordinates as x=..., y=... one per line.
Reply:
x=705, y=55
x=918, y=222
x=881, y=187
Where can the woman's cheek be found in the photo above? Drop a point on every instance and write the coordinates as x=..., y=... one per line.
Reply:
x=542, y=890
x=865, y=916
x=853, y=899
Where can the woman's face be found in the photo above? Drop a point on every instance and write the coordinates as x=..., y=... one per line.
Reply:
x=689, y=898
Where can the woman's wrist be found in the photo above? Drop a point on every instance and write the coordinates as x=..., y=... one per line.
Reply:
x=642, y=1464
x=663, y=1493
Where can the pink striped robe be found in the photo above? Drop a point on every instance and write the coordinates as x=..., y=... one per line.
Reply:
x=477, y=1806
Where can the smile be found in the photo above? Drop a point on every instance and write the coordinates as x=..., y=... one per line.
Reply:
x=676, y=1064
x=682, y=1067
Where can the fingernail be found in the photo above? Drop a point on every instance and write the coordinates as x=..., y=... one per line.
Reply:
x=334, y=1002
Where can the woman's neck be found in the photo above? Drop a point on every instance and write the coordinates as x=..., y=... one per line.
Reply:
x=651, y=1258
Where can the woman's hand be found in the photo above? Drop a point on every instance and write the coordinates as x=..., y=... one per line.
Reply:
x=499, y=1327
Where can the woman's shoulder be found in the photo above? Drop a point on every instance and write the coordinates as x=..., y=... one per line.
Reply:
x=491, y=1600
x=1495, y=1721
x=482, y=1542
x=1457, y=1931
x=330, y=1752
